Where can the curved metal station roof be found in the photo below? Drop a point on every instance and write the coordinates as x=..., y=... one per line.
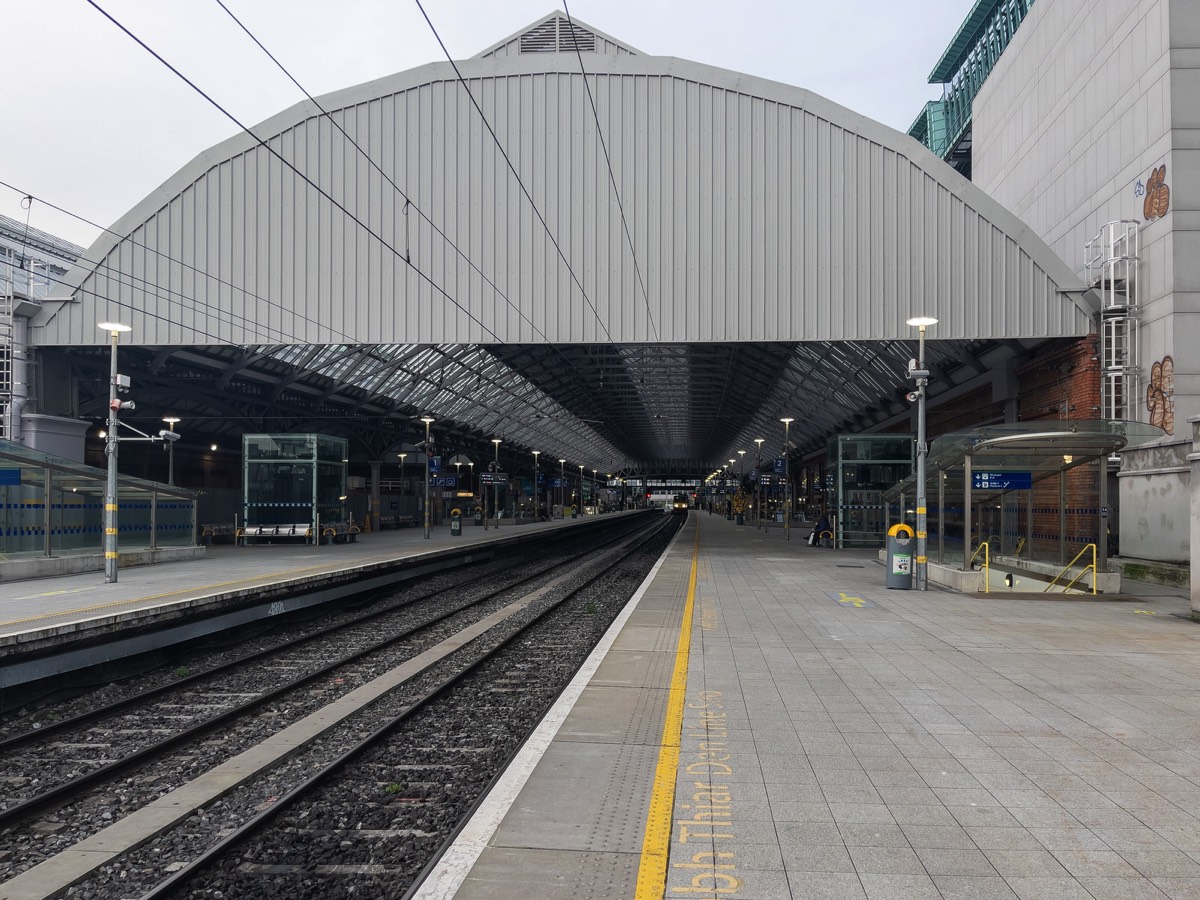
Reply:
x=625, y=260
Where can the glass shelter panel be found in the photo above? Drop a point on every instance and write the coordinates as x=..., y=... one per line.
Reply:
x=859, y=468
x=51, y=506
x=293, y=479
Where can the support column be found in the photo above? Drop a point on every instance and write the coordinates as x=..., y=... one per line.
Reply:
x=376, y=466
x=1194, y=490
x=1102, y=540
x=966, y=511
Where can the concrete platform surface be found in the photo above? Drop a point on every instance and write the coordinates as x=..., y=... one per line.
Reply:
x=834, y=739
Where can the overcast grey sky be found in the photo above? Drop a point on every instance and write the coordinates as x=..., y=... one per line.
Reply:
x=94, y=123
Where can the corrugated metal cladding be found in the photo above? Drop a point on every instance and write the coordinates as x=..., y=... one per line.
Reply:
x=758, y=212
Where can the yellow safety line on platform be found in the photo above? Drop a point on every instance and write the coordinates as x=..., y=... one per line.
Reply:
x=652, y=872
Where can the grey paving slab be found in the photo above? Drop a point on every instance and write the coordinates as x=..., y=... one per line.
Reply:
x=926, y=745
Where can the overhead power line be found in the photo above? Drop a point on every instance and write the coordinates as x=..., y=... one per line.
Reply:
x=611, y=175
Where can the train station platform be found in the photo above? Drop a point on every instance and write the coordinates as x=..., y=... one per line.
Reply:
x=38, y=613
x=767, y=721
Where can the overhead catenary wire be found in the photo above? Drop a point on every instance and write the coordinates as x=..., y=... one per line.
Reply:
x=403, y=195
x=128, y=239
x=611, y=175
x=520, y=183
x=320, y=190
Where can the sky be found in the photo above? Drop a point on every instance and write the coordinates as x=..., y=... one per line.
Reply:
x=93, y=123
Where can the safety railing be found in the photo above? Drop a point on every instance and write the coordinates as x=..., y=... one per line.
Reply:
x=1067, y=568
x=987, y=564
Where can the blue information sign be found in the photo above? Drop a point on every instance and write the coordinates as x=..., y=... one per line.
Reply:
x=443, y=481
x=779, y=465
x=1001, y=481
x=10, y=476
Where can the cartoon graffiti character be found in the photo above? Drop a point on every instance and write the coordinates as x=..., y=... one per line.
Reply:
x=1158, y=195
x=1160, y=395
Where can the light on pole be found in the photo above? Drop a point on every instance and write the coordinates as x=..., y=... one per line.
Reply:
x=171, y=421
x=537, y=488
x=403, y=456
x=495, y=486
x=758, y=442
x=562, y=487
x=579, y=509
x=595, y=496
x=110, y=449
x=428, y=420
x=921, y=376
x=787, y=479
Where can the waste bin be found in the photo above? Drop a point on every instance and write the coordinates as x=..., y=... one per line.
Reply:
x=455, y=523
x=779, y=516
x=900, y=551
x=478, y=515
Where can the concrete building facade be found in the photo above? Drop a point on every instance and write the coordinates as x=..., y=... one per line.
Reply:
x=1090, y=116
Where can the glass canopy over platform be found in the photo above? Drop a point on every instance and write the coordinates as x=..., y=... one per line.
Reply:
x=51, y=506
x=1033, y=490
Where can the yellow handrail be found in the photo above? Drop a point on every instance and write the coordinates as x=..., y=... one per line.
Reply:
x=1020, y=547
x=1071, y=583
x=987, y=567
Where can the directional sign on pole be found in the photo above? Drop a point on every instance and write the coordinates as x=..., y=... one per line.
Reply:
x=1001, y=481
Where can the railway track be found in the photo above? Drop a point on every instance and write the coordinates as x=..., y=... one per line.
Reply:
x=364, y=676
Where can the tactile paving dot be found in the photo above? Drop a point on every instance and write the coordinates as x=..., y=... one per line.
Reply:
x=605, y=875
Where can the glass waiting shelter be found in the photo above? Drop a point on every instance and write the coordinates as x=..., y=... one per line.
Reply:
x=293, y=484
x=1036, y=491
x=50, y=506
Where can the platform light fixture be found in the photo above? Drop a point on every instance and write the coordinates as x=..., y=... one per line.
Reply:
x=428, y=420
x=919, y=374
x=111, y=444
x=562, y=487
x=787, y=478
x=537, y=497
x=495, y=467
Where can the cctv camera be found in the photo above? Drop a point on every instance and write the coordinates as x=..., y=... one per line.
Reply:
x=913, y=396
x=169, y=436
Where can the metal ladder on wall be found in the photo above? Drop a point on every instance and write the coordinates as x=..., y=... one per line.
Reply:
x=6, y=341
x=1111, y=259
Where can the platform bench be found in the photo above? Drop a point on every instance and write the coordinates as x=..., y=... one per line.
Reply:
x=217, y=533
x=290, y=531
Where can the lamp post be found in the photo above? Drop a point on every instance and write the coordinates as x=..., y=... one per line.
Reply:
x=495, y=486
x=402, y=456
x=787, y=478
x=579, y=512
x=921, y=376
x=595, y=496
x=758, y=500
x=471, y=473
x=171, y=421
x=110, y=450
x=428, y=420
x=537, y=496
x=562, y=487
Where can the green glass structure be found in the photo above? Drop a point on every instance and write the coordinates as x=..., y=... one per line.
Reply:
x=293, y=480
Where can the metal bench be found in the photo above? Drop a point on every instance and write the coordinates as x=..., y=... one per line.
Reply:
x=287, y=531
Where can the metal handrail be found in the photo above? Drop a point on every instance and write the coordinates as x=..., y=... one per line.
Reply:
x=987, y=564
x=1067, y=568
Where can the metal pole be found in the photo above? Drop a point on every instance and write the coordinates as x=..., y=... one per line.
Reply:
x=428, y=421
x=787, y=480
x=922, y=454
x=110, y=484
x=921, y=376
x=966, y=510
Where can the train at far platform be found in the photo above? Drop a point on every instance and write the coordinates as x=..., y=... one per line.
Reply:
x=681, y=504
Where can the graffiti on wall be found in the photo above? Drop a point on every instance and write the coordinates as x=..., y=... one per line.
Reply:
x=1157, y=195
x=1160, y=394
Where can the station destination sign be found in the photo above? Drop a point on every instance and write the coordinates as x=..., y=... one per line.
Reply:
x=1001, y=481
x=493, y=478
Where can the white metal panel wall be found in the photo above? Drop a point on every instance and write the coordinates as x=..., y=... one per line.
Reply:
x=758, y=212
